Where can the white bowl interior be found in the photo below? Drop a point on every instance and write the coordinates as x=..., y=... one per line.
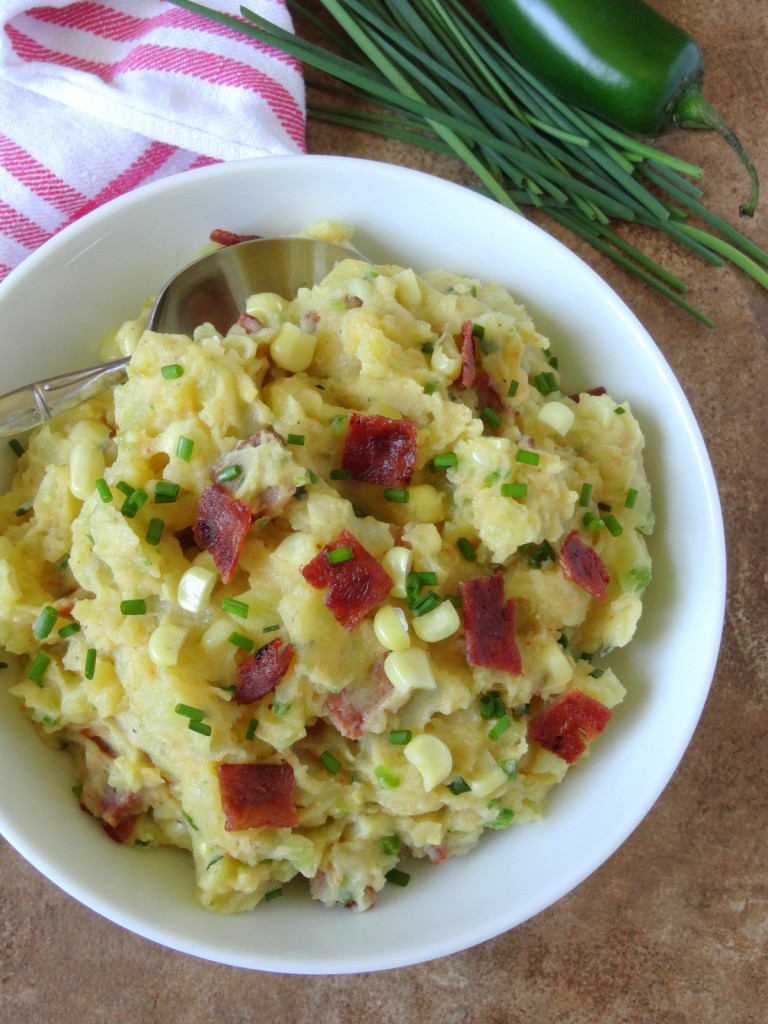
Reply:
x=56, y=307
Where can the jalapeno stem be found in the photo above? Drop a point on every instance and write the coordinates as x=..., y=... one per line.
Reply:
x=693, y=111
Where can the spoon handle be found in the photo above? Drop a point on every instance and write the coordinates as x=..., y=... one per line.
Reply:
x=33, y=404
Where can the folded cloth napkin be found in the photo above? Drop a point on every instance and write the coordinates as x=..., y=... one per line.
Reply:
x=99, y=96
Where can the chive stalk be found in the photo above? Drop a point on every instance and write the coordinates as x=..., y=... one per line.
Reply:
x=439, y=80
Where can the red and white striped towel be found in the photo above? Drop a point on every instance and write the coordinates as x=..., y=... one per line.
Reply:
x=99, y=96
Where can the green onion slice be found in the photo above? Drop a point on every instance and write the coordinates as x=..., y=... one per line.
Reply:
x=466, y=549
x=399, y=737
x=235, y=607
x=154, y=531
x=137, y=606
x=104, y=490
x=398, y=495
x=45, y=622
x=329, y=762
x=40, y=663
x=514, y=490
x=184, y=448
x=90, y=663
x=338, y=555
x=229, y=473
x=172, y=371
x=243, y=642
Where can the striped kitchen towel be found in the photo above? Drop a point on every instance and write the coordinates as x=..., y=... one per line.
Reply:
x=99, y=96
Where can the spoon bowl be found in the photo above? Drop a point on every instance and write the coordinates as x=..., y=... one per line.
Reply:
x=212, y=289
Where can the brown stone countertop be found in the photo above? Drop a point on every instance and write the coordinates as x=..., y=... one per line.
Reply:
x=673, y=929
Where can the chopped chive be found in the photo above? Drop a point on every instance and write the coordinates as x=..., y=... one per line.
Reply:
x=428, y=579
x=253, y=725
x=426, y=603
x=340, y=474
x=603, y=506
x=396, y=494
x=125, y=487
x=586, y=495
x=490, y=417
x=90, y=663
x=229, y=473
x=390, y=845
x=398, y=877
x=329, y=762
x=489, y=705
x=632, y=496
x=297, y=439
x=337, y=555
x=399, y=737
x=591, y=521
x=312, y=476
x=500, y=727
x=445, y=459
x=202, y=727
x=133, y=502
x=172, y=371
x=512, y=390
x=243, y=642
x=619, y=410
x=466, y=549
x=15, y=446
x=154, y=531
x=431, y=387
x=537, y=554
x=478, y=331
x=387, y=779
x=597, y=672
x=184, y=448
x=458, y=785
x=545, y=383
x=167, y=490
x=138, y=606
x=503, y=819
x=193, y=714
x=529, y=458
x=428, y=348
x=104, y=490
x=23, y=509
x=300, y=492
x=271, y=629
x=3, y=664
x=46, y=620
x=40, y=663
x=69, y=630
x=273, y=894
x=235, y=607
x=613, y=525
x=514, y=490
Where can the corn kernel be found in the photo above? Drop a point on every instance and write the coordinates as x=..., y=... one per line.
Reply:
x=408, y=290
x=441, y=622
x=446, y=359
x=165, y=643
x=490, y=777
x=397, y=562
x=292, y=349
x=431, y=758
x=391, y=628
x=425, y=504
x=557, y=416
x=265, y=306
x=86, y=466
x=195, y=588
x=409, y=670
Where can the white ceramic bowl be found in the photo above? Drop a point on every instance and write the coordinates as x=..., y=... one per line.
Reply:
x=56, y=307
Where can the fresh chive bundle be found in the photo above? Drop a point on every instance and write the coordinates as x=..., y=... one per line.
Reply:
x=443, y=82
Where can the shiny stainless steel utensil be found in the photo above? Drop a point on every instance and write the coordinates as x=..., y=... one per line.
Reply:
x=213, y=289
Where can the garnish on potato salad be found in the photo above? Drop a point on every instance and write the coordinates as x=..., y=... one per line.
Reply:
x=330, y=591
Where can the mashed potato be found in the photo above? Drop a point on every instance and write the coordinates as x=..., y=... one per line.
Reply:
x=329, y=591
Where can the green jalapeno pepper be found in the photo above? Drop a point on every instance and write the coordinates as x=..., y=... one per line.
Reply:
x=619, y=59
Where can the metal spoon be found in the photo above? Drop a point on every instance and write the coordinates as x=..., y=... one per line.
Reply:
x=213, y=289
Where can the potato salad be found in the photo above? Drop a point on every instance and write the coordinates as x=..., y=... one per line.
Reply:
x=328, y=592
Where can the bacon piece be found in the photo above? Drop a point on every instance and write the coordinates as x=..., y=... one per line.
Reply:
x=378, y=450
x=582, y=565
x=251, y=324
x=592, y=391
x=565, y=726
x=257, y=796
x=489, y=625
x=487, y=395
x=261, y=671
x=221, y=526
x=468, y=356
x=354, y=587
x=351, y=709
x=223, y=237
